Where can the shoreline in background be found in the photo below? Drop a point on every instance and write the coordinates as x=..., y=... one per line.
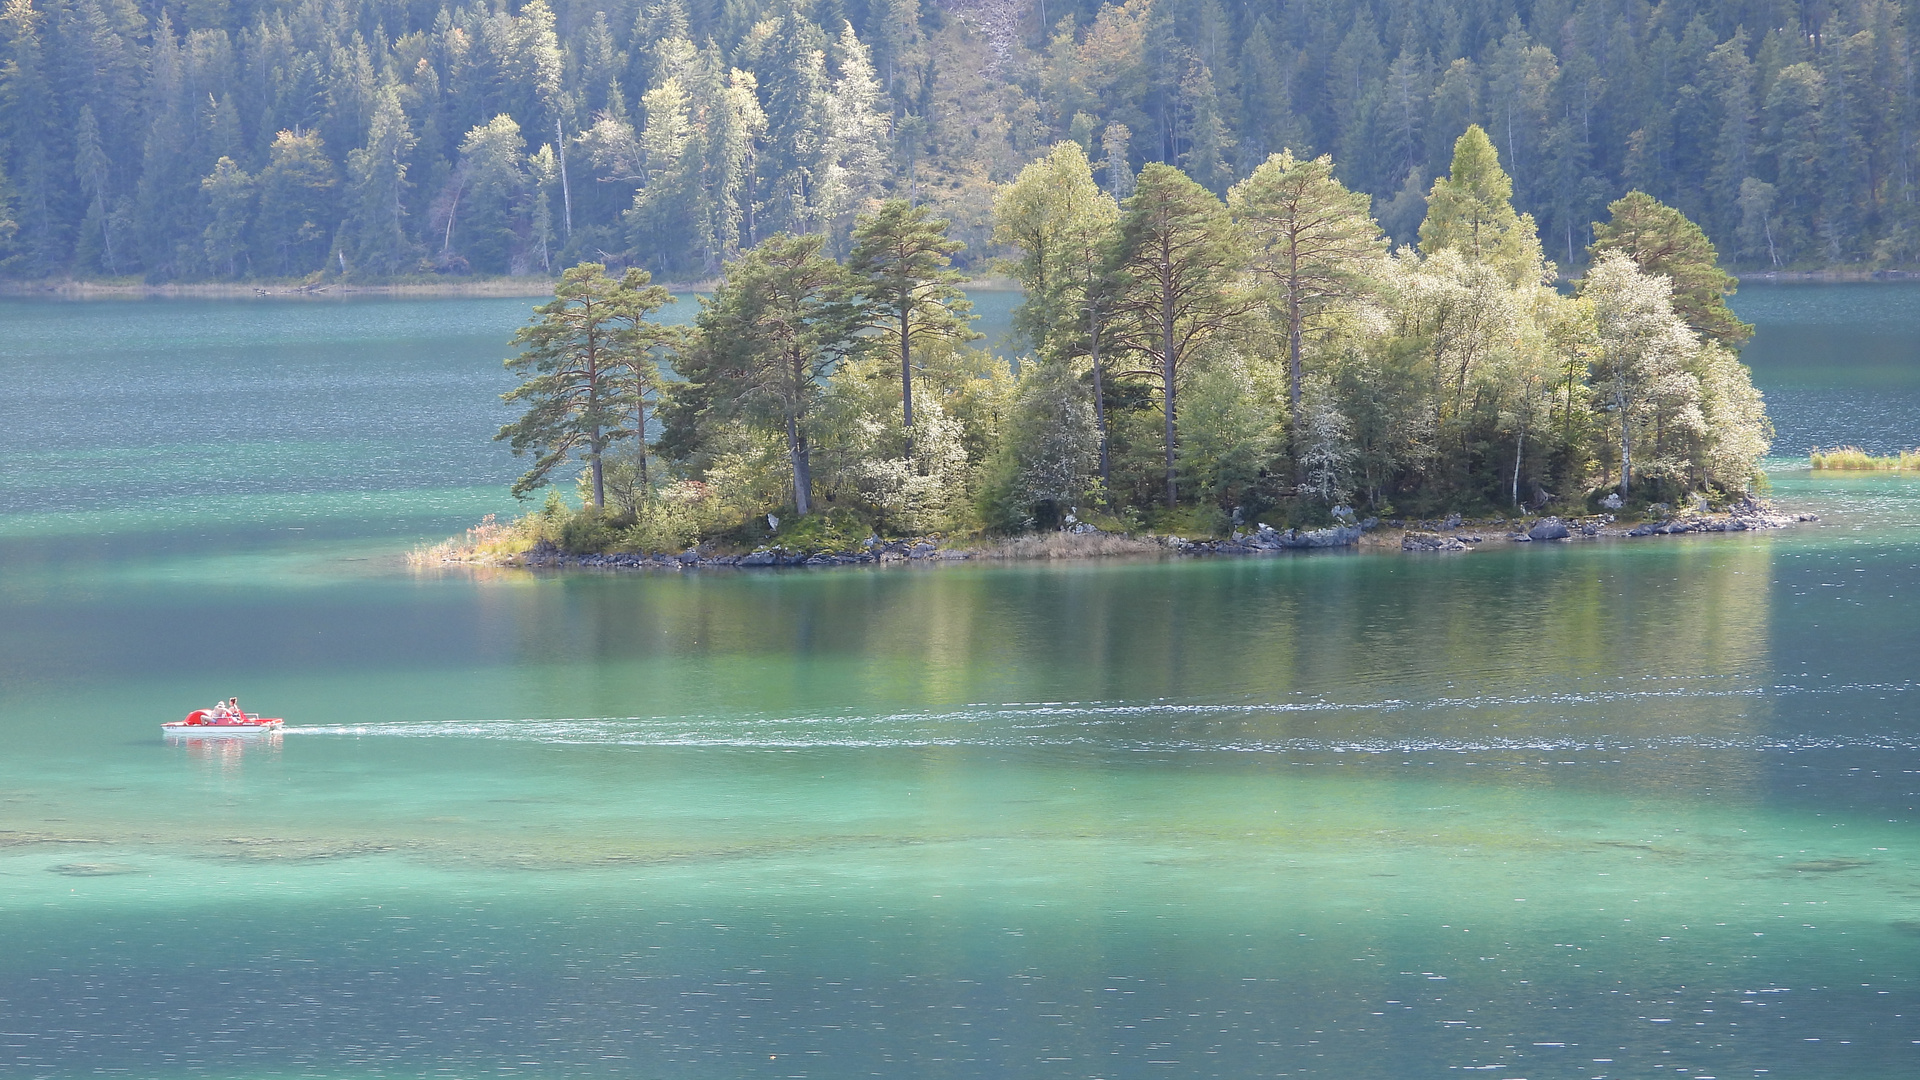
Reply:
x=1794, y=277
x=80, y=289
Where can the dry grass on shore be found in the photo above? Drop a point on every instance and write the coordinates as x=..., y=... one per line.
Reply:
x=1852, y=458
x=490, y=543
x=1064, y=545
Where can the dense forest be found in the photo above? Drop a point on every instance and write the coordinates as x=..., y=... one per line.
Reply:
x=366, y=139
x=1199, y=365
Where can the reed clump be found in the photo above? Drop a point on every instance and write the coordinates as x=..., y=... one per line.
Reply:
x=1856, y=459
x=488, y=542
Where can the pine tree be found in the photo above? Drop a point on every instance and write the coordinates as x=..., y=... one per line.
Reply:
x=229, y=193
x=856, y=133
x=1061, y=222
x=94, y=171
x=902, y=264
x=1798, y=158
x=543, y=174
x=766, y=342
x=1470, y=210
x=1267, y=98
x=793, y=79
x=493, y=185
x=32, y=138
x=1730, y=79
x=1312, y=242
x=583, y=356
x=666, y=204
x=1206, y=147
x=291, y=233
x=736, y=125
x=1115, y=165
x=374, y=233
x=1175, y=258
x=167, y=202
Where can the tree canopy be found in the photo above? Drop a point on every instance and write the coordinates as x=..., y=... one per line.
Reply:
x=1660, y=240
x=586, y=359
x=1192, y=363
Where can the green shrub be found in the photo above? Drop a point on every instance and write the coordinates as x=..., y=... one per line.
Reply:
x=588, y=532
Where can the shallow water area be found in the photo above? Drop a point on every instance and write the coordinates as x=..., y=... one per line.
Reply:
x=1635, y=808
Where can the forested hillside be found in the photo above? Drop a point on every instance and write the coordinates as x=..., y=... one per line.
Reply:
x=222, y=139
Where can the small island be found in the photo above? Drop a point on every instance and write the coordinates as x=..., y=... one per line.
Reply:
x=1260, y=372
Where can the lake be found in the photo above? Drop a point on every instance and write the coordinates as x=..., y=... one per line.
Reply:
x=1615, y=809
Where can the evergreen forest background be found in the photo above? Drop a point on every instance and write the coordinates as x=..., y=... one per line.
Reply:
x=375, y=139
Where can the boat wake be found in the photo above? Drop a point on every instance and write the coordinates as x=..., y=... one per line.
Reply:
x=1164, y=726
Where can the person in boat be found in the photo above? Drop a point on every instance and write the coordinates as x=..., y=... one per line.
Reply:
x=233, y=709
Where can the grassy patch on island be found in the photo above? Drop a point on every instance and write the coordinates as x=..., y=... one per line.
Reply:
x=1852, y=458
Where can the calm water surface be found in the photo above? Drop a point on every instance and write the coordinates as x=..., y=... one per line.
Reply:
x=1603, y=810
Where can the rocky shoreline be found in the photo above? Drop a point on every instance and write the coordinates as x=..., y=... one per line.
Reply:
x=921, y=549
x=1456, y=535
x=1452, y=534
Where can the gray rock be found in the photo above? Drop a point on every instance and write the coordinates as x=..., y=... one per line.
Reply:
x=922, y=551
x=1453, y=521
x=1266, y=539
x=1549, y=529
x=1612, y=501
x=1338, y=536
x=1427, y=541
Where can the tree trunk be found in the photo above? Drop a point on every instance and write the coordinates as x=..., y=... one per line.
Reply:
x=566, y=192
x=599, y=481
x=1099, y=397
x=802, y=467
x=446, y=244
x=1294, y=373
x=1520, y=448
x=1166, y=374
x=1626, y=454
x=906, y=375
x=640, y=436
x=753, y=229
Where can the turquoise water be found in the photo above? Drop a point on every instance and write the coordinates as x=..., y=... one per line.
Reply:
x=1603, y=810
